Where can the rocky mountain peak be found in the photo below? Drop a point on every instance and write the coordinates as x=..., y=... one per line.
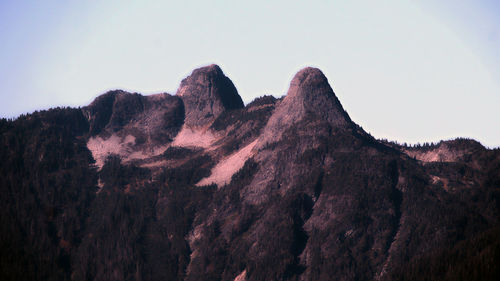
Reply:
x=310, y=90
x=309, y=95
x=206, y=93
x=122, y=189
x=311, y=74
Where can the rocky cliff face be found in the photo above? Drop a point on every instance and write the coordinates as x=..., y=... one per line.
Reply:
x=132, y=126
x=197, y=186
x=207, y=93
x=309, y=96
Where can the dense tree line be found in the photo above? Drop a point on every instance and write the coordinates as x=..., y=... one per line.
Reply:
x=339, y=204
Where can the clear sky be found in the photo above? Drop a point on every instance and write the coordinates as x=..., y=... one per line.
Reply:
x=411, y=71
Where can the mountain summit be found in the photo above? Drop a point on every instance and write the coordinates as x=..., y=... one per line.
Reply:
x=309, y=95
x=196, y=186
x=206, y=93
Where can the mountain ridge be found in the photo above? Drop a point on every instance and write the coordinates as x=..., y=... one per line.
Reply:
x=168, y=187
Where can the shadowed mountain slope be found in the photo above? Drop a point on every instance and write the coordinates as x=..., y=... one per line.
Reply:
x=197, y=186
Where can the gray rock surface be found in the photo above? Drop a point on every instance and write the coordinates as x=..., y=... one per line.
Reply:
x=132, y=126
x=206, y=93
x=155, y=118
x=309, y=95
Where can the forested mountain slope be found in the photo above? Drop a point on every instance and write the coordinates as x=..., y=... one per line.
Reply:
x=197, y=186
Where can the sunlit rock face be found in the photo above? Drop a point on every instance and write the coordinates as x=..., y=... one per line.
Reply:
x=206, y=94
x=309, y=95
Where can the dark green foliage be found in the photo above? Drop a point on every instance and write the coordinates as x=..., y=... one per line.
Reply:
x=101, y=110
x=262, y=101
x=46, y=186
x=477, y=258
x=178, y=152
x=257, y=111
x=338, y=205
x=190, y=172
x=224, y=239
x=244, y=124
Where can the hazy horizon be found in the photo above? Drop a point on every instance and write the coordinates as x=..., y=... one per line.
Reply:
x=405, y=71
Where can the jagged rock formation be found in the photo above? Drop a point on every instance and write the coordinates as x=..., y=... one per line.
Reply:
x=309, y=94
x=157, y=117
x=206, y=93
x=199, y=187
x=133, y=126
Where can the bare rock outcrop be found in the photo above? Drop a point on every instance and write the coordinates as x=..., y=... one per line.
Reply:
x=132, y=126
x=446, y=151
x=309, y=94
x=155, y=115
x=206, y=93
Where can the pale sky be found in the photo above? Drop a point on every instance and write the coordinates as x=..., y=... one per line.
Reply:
x=410, y=71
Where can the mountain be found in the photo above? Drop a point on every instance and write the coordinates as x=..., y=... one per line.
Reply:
x=198, y=186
